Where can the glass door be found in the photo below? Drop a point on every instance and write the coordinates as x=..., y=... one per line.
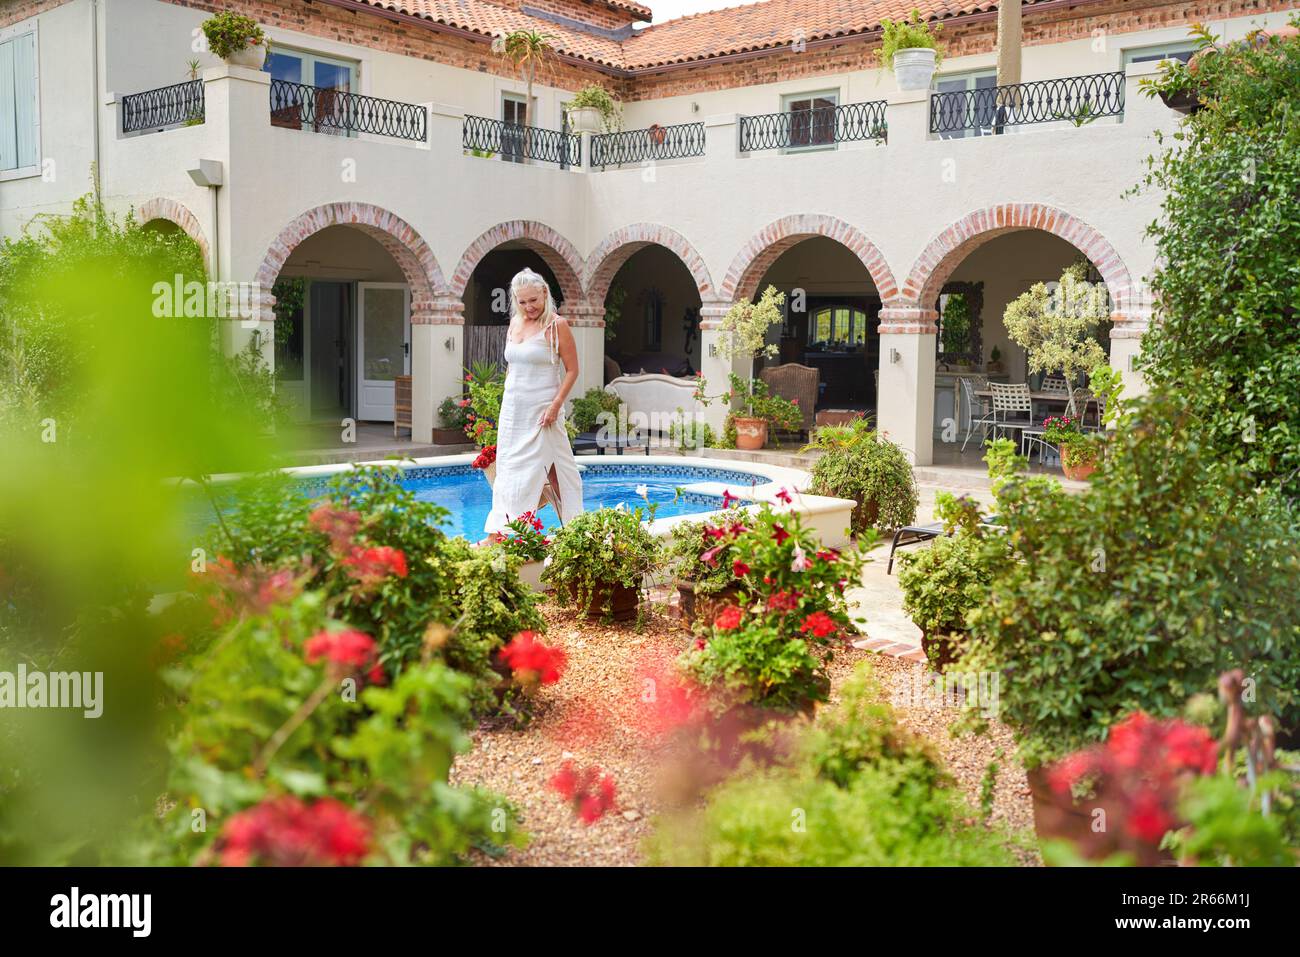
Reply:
x=982, y=101
x=318, y=99
x=383, y=338
x=514, y=114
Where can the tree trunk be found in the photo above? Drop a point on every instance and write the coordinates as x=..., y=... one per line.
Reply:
x=1009, y=16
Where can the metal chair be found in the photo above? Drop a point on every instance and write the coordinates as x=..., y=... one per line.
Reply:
x=969, y=386
x=1055, y=384
x=1013, y=408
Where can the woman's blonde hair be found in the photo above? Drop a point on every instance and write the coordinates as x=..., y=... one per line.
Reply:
x=527, y=277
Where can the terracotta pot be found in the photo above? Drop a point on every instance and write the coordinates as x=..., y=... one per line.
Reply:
x=449, y=437
x=624, y=604
x=751, y=434
x=1076, y=473
x=1059, y=817
x=704, y=607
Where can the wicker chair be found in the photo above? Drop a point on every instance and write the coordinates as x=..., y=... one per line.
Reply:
x=794, y=381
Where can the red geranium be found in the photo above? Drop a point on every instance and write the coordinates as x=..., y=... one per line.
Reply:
x=339, y=524
x=285, y=832
x=780, y=534
x=348, y=652
x=252, y=590
x=589, y=790
x=728, y=618
x=370, y=566
x=784, y=600
x=533, y=662
x=819, y=623
x=488, y=455
x=739, y=568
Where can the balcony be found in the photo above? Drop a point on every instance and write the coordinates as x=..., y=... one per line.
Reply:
x=1077, y=99
x=810, y=129
x=165, y=108
x=514, y=143
x=655, y=144
x=297, y=106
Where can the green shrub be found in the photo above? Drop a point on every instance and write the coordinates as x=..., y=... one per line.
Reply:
x=586, y=411
x=599, y=548
x=487, y=385
x=688, y=541
x=873, y=471
x=1168, y=570
x=453, y=415
x=757, y=663
x=229, y=32
x=1228, y=297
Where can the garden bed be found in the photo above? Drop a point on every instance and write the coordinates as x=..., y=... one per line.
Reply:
x=591, y=716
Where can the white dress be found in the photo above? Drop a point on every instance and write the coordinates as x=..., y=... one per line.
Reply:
x=525, y=450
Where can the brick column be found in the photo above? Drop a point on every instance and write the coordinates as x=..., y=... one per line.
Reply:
x=905, y=400
x=437, y=351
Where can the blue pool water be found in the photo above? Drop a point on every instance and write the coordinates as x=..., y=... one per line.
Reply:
x=465, y=493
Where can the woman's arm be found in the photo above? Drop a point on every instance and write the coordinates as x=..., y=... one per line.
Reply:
x=569, y=356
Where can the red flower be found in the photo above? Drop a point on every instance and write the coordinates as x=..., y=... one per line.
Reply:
x=783, y=496
x=712, y=532
x=819, y=623
x=252, y=590
x=488, y=454
x=463, y=403
x=783, y=600
x=728, y=498
x=285, y=832
x=739, y=568
x=700, y=644
x=369, y=566
x=532, y=661
x=780, y=534
x=829, y=555
x=349, y=652
x=589, y=790
x=737, y=529
x=340, y=525
x=1147, y=818
x=168, y=649
x=728, y=618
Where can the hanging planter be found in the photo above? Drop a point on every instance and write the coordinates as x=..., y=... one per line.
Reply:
x=909, y=48
x=657, y=134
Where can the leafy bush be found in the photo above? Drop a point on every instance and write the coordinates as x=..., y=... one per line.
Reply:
x=597, y=549
x=1057, y=326
x=273, y=525
x=944, y=581
x=487, y=385
x=873, y=471
x=689, y=541
x=859, y=791
x=910, y=34
x=229, y=32
x=1169, y=569
x=453, y=413
x=266, y=713
x=1228, y=299
x=587, y=408
x=748, y=661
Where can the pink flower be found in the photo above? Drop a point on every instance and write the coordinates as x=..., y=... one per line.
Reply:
x=369, y=566
x=285, y=832
x=801, y=562
x=728, y=498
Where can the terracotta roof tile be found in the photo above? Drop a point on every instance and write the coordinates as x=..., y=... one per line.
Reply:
x=700, y=36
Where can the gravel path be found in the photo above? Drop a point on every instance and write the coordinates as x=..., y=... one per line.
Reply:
x=592, y=716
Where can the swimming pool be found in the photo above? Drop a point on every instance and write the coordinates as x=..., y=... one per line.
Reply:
x=465, y=493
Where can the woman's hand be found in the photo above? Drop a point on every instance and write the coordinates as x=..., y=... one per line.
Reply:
x=549, y=415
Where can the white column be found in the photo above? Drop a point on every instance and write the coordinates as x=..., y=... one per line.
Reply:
x=437, y=345
x=587, y=322
x=905, y=403
x=908, y=114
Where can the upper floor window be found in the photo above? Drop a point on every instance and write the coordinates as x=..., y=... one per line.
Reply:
x=812, y=118
x=983, y=104
x=319, y=102
x=514, y=111
x=1181, y=50
x=18, y=116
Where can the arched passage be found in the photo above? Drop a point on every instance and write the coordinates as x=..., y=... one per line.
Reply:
x=179, y=214
x=557, y=252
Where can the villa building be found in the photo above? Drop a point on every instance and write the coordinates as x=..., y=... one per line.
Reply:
x=387, y=156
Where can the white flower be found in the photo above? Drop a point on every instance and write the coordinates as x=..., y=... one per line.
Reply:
x=643, y=491
x=800, y=563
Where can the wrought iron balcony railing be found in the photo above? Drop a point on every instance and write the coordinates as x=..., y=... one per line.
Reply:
x=177, y=105
x=656, y=143
x=820, y=126
x=515, y=142
x=1074, y=99
x=298, y=106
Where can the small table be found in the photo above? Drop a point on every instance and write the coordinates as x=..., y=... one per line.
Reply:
x=591, y=442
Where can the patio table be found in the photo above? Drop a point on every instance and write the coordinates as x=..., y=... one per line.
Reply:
x=1056, y=398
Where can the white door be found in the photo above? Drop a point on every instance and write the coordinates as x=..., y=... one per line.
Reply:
x=383, y=335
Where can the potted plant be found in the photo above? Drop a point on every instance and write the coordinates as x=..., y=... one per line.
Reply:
x=764, y=413
x=995, y=360
x=527, y=541
x=744, y=329
x=909, y=48
x=486, y=384
x=698, y=555
x=592, y=110
x=599, y=561
x=657, y=134
x=236, y=39
x=1079, y=451
x=453, y=415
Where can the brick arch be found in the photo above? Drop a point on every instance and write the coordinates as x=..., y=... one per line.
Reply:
x=946, y=251
x=757, y=256
x=398, y=237
x=179, y=214
x=556, y=251
x=619, y=246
